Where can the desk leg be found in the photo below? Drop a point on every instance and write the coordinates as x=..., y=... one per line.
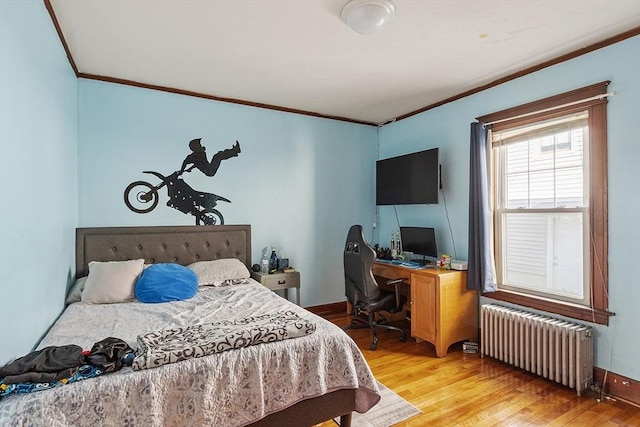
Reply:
x=286, y=294
x=298, y=296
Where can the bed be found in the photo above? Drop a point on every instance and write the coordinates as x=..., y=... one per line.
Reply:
x=294, y=382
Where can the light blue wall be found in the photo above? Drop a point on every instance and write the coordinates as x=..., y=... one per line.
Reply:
x=299, y=181
x=447, y=127
x=38, y=139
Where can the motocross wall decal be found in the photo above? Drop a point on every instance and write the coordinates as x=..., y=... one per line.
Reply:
x=142, y=197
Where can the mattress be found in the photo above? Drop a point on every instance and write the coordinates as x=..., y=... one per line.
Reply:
x=231, y=388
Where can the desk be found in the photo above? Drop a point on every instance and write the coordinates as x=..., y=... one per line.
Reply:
x=278, y=281
x=443, y=311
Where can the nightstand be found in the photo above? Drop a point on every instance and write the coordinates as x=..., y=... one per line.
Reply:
x=277, y=281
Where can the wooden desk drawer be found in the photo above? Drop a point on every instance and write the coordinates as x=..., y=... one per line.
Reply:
x=281, y=281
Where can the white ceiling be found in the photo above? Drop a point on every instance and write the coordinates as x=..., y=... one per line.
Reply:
x=298, y=54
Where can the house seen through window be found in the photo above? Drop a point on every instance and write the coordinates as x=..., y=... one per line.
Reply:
x=542, y=208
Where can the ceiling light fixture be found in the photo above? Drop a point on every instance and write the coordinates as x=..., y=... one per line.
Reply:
x=367, y=16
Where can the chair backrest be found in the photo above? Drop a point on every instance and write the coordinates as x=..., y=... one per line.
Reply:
x=360, y=285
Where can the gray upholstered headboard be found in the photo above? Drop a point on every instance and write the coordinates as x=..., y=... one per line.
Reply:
x=180, y=244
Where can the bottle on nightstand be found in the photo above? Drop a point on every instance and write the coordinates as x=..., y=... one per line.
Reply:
x=264, y=262
x=273, y=261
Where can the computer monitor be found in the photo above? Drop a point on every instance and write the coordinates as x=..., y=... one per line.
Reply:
x=419, y=241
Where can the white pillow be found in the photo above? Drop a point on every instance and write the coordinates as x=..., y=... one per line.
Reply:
x=210, y=272
x=75, y=293
x=110, y=282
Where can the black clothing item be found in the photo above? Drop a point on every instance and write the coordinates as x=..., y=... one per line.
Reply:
x=49, y=359
x=39, y=377
x=57, y=362
x=108, y=354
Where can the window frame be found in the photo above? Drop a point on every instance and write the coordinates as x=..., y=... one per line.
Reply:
x=555, y=106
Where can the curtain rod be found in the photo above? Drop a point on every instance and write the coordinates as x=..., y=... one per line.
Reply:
x=604, y=95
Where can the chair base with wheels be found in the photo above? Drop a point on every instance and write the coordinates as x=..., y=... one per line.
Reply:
x=358, y=322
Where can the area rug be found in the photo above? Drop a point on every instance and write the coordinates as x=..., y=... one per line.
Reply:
x=391, y=410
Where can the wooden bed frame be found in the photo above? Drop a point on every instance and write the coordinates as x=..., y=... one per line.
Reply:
x=185, y=245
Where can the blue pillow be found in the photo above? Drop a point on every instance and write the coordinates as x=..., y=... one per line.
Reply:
x=166, y=282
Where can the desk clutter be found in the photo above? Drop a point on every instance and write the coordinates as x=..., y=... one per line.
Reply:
x=445, y=262
x=272, y=263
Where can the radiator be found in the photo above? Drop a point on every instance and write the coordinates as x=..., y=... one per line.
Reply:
x=556, y=349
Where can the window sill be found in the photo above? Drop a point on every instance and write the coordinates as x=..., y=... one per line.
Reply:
x=573, y=311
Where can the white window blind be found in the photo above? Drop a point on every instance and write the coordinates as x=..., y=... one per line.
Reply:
x=542, y=204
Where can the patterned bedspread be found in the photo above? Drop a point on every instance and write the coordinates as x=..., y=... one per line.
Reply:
x=177, y=344
x=230, y=388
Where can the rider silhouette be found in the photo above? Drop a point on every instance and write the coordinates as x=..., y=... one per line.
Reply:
x=198, y=158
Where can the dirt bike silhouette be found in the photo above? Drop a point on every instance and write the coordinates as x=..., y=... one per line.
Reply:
x=142, y=197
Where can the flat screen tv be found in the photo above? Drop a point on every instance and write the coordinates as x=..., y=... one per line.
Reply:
x=408, y=180
x=419, y=241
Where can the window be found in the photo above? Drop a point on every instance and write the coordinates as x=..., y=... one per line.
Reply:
x=541, y=208
x=549, y=204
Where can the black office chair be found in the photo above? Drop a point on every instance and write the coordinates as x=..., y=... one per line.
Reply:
x=361, y=288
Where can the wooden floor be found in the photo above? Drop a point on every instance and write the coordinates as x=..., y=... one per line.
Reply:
x=467, y=390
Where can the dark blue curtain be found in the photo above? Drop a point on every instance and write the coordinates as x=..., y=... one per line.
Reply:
x=481, y=270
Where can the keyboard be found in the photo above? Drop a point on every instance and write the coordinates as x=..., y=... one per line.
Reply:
x=403, y=263
x=411, y=264
x=390, y=261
